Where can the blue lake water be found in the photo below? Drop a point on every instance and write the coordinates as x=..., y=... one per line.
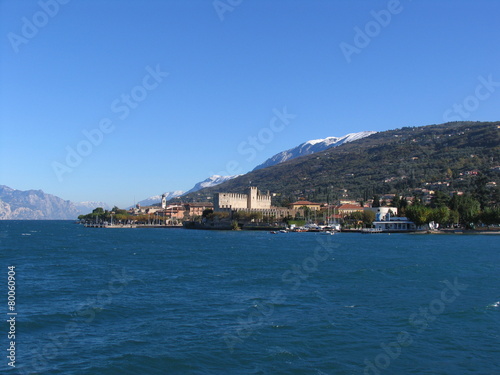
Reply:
x=174, y=301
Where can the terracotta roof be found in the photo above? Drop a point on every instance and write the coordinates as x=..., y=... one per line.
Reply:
x=349, y=206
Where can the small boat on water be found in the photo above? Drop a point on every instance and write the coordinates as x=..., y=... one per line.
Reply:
x=371, y=230
x=328, y=233
x=280, y=231
x=299, y=229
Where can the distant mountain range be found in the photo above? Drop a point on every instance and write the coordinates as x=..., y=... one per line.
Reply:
x=365, y=162
x=86, y=207
x=211, y=181
x=37, y=205
x=157, y=198
x=311, y=147
x=306, y=148
x=34, y=205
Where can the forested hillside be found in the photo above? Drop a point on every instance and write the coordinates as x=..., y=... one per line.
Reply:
x=455, y=156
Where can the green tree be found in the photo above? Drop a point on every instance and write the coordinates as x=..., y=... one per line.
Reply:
x=98, y=211
x=121, y=217
x=417, y=201
x=403, y=204
x=256, y=216
x=467, y=207
x=396, y=201
x=368, y=218
x=454, y=217
x=376, y=201
x=440, y=215
x=490, y=215
x=449, y=173
x=207, y=212
x=440, y=199
x=481, y=191
x=355, y=219
x=419, y=214
x=307, y=211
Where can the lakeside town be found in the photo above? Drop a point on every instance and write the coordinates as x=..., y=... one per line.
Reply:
x=426, y=211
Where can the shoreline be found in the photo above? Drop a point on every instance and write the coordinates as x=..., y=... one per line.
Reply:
x=495, y=231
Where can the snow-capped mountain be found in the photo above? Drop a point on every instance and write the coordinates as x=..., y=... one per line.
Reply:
x=157, y=198
x=310, y=147
x=211, y=181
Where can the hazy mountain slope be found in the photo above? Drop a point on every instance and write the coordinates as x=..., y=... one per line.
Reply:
x=157, y=198
x=86, y=207
x=210, y=182
x=34, y=205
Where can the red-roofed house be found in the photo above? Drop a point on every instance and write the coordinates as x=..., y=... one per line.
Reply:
x=347, y=209
x=313, y=206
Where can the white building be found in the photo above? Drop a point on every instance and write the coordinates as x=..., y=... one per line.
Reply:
x=394, y=224
x=382, y=212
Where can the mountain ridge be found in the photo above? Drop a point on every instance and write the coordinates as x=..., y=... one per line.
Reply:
x=390, y=161
x=34, y=205
x=311, y=147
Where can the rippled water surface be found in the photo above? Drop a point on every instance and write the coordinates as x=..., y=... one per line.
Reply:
x=174, y=301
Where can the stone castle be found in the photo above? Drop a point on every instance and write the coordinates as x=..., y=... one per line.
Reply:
x=254, y=200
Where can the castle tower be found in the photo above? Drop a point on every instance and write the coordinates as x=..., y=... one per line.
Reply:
x=252, y=197
x=164, y=201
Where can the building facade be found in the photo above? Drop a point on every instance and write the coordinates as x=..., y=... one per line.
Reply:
x=253, y=200
x=299, y=204
x=382, y=212
x=348, y=209
x=395, y=224
x=196, y=209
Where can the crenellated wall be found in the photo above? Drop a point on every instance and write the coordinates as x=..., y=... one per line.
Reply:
x=230, y=200
x=252, y=200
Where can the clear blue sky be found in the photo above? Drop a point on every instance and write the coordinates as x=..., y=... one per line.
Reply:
x=228, y=71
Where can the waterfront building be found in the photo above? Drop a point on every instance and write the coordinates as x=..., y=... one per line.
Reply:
x=311, y=205
x=347, y=209
x=382, y=212
x=253, y=200
x=196, y=209
x=394, y=224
